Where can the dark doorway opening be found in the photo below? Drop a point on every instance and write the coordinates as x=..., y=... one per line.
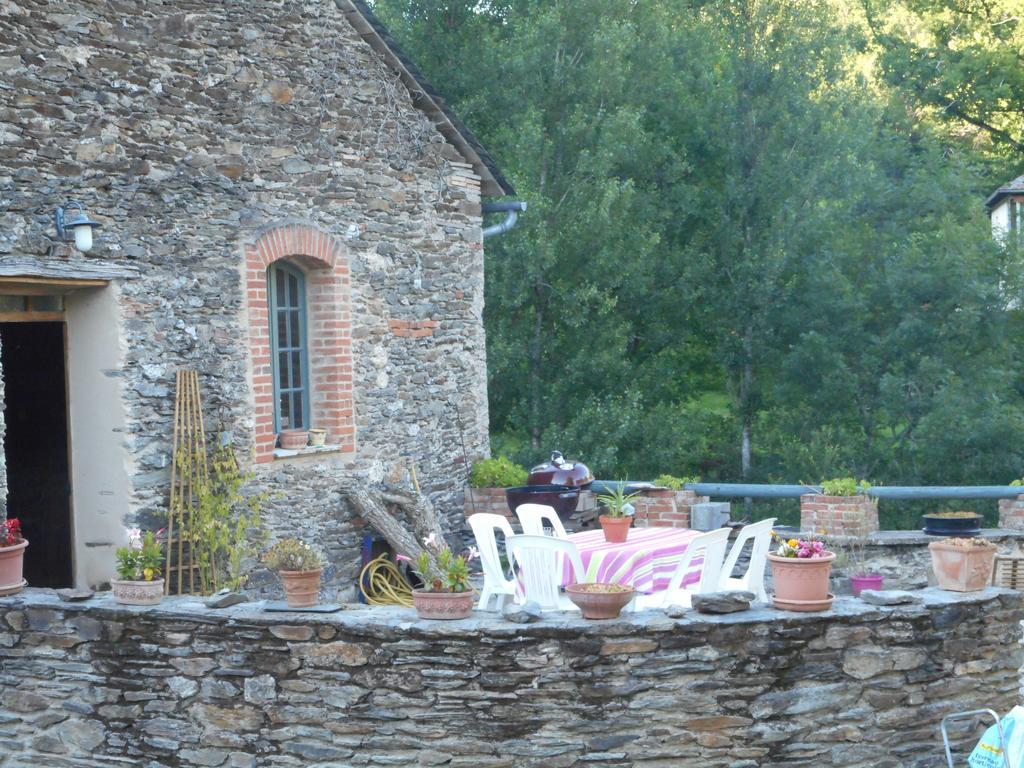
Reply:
x=36, y=447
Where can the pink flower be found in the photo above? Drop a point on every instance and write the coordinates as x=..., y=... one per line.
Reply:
x=403, y=558
x=472, y=554
x=134, y=538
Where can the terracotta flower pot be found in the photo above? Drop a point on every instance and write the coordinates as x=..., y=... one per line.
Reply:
x=962, y=569
x=301, y=588
x=600, y=601
x=293, y=439
x=317, y=437
x=138, y=592
x=12, y=560
x=801, y=583
x=616, y=529
x=442, y=605
x=865, y=581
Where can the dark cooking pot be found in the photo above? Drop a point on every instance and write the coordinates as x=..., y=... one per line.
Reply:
x=558, y=471
x=562, y=497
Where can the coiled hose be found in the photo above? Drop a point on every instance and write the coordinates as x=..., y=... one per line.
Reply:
x=383, y=584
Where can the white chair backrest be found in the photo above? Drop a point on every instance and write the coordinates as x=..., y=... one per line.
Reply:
x=711, y=546
x=483, y=525
x=540, y=559
x=533, y=518
x=761, y=533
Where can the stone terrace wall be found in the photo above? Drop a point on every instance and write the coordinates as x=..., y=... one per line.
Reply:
x=180, y=685
x=188, y=128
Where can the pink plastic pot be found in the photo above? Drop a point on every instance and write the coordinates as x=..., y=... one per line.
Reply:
x=865, y=581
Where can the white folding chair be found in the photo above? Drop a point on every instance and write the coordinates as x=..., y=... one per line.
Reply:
x=539, y=559
x=753, y=579
x=711, y=546
x=496, y=585
x=533, y=518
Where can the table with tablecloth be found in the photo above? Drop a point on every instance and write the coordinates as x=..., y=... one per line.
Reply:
x=645, y=561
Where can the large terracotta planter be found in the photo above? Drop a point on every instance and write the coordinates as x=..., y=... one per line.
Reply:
x=962, y=569
x=442, y=605
x=801, y=583
x=301, y=588
x=595, y=601
x=138, y=592
x=616, y=529
x=12, y=560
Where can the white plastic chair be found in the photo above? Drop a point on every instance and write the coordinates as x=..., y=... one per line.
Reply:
x=711, y=546
x=533, y=518
x=540, y=569
x=753, y=579
x=496, y=585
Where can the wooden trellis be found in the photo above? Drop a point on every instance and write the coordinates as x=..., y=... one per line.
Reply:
x=189, y=472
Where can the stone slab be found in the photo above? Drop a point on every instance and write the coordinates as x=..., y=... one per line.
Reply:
x=280, y=606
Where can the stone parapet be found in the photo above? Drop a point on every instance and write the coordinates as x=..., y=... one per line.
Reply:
x=838, y=515
x=858, y=686
x=1011, y=513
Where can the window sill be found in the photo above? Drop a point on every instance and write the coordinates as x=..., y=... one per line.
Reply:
x=310, y=450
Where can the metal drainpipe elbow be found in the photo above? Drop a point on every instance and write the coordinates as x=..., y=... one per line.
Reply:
x=513, y=208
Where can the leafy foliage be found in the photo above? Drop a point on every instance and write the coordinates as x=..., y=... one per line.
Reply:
x=142, y=559
x=447, y=572
x=675, y=483
x=497, y=473
x=615, y=502
x=844, y=486
x=292, y=555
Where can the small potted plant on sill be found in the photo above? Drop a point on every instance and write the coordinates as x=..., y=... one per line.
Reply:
x=446, y=593
x=962, y=565
x=317, y=437
x=300, y=567
x=800, y=572
x=293, y=439
x=138, y=569
x=617, y=513
x=600, y=601
x=12, y=557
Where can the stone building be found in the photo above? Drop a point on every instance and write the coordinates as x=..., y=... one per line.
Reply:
x=287, y=208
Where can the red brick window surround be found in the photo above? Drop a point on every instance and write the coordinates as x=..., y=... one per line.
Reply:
x=321, y=258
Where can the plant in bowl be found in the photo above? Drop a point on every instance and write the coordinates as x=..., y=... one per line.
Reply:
x=674, y=483
x=300, y=567
x=844, y=486
x=446, y=592
x=855, y=560
x=600, y=601
x=12, y=556
x=138, y=569
x=497, y=473
x=957, y=524
x=617, y=513
x=962, y=564
x=800, y=572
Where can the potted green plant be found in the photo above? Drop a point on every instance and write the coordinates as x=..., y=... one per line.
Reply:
x=962, y=565
x=858, y=568
x=300, y=567
x=617, y=513
x=446, y=593
x=488, y=480
x=800, y=573
x=138, y=569
x=600, y=601
x=12, y=557
x=317, y=437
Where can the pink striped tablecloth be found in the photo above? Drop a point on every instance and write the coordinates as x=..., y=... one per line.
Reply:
x=645, y=561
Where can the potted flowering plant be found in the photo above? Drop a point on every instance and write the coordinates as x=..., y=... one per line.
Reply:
x=800, y=572
x=962, y=565
x=617, y=513
x=446, y=593
x=858, y=568
x=300, y=567
x=12, y=556
x=138, y=570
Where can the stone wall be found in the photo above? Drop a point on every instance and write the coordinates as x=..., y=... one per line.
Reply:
x=181, y=685
x=189, y=128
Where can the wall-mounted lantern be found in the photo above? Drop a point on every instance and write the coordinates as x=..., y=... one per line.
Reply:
x=78, y=227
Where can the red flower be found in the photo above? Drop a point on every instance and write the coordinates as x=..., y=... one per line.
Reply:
x=10, y=532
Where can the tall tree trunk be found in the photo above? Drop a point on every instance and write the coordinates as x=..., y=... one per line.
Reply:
x=536, y=357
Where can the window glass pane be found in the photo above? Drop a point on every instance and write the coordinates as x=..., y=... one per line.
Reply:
x=299, y=418
x=297, y=369
x=282, y=329
x=284, y=381
x=295, y=340
x=293, y=287
x=281, y=293
x=285, y=413
x=12, y=303
x=48, y=303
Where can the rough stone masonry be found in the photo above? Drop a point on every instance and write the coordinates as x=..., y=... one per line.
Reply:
x=191, y=130
x=180, y=685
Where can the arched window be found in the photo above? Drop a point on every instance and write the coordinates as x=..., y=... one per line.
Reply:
x=286, y=288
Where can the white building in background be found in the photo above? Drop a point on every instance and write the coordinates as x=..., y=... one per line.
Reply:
x=1006, y=209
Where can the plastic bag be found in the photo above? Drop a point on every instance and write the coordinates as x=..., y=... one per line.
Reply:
x=987, y=754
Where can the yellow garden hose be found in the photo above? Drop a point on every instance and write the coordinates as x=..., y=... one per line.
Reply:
x=383, y=584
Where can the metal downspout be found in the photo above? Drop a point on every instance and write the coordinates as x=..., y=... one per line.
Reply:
x=513, y=208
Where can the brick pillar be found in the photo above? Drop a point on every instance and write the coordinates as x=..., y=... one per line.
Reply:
x=485, y=500
x=839, y=515
x=1011, y=513
x=665, y=508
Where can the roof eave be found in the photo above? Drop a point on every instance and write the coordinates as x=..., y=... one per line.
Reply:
x=425, y=98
